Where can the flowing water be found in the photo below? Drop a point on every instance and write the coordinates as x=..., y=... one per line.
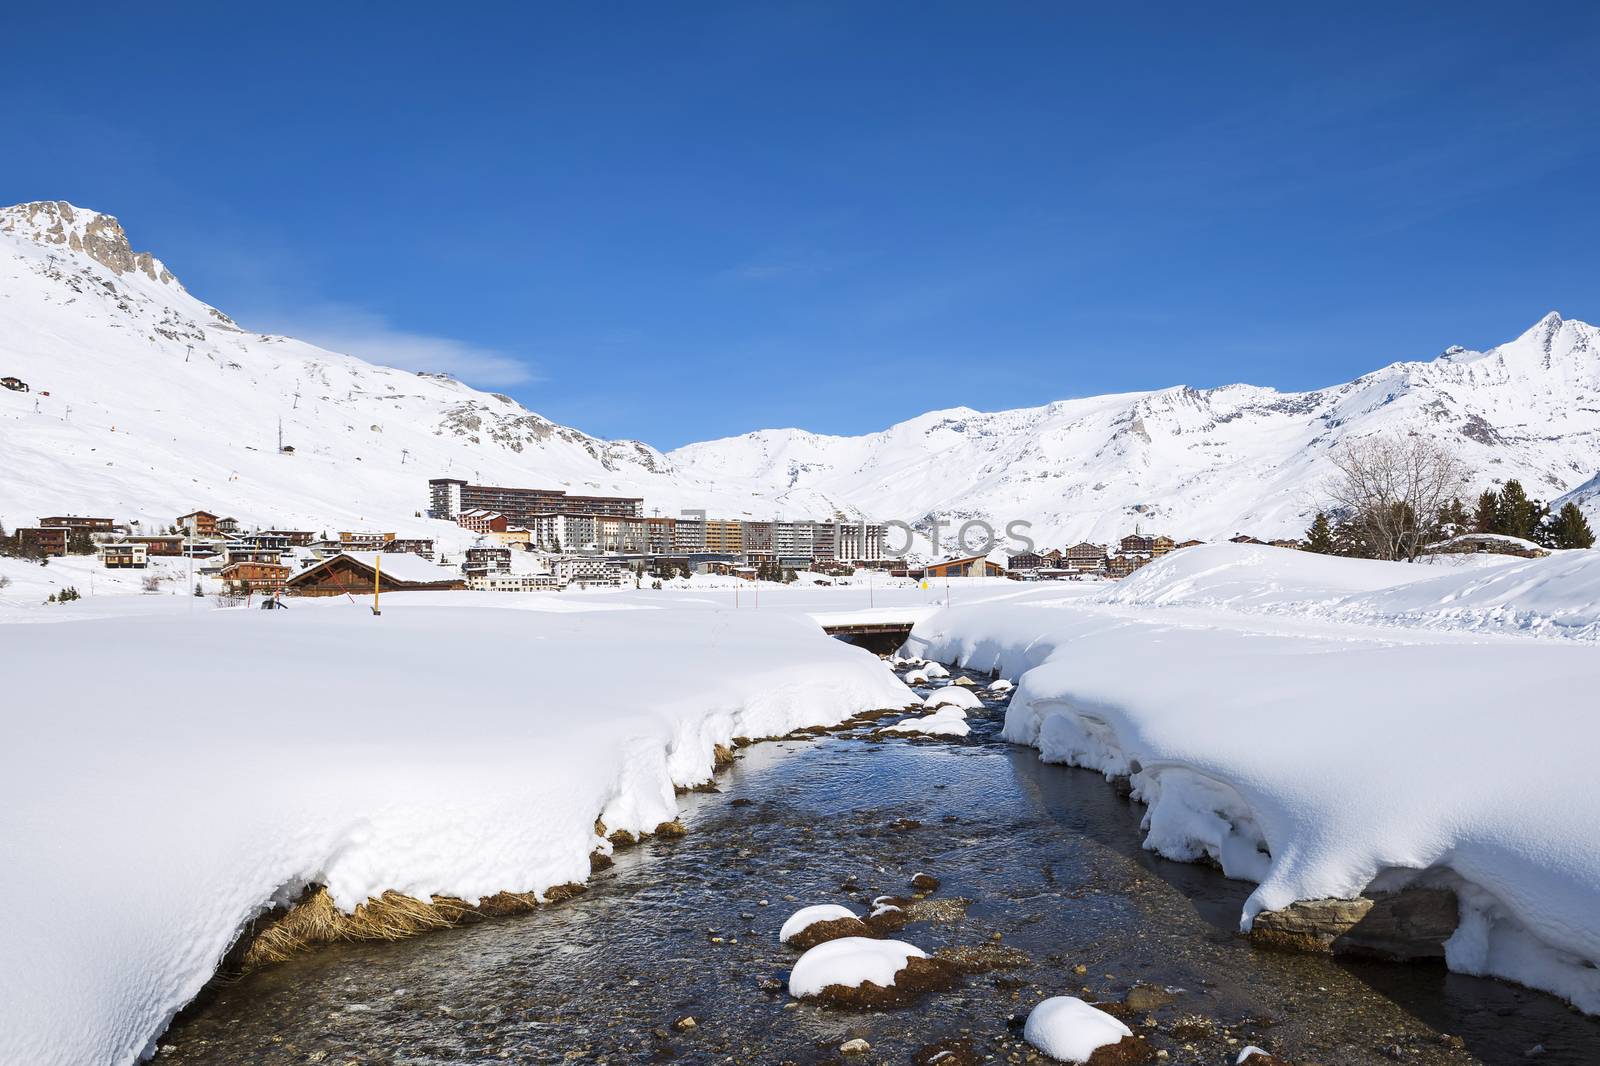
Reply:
x=1041, y=859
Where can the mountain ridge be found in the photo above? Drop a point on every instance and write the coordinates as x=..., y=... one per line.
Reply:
x=158, y=403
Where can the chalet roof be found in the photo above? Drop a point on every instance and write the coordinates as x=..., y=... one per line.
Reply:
x=402, y=567
x=196, y=514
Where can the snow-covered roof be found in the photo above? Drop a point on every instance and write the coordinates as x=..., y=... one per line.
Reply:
x=401, y=566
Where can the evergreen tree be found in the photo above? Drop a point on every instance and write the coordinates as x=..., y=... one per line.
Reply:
x=1348, y=541
x=1486, y=517
x=1319, y=538
x=1570, y=529
x=1453, y=519
x=1517, y=516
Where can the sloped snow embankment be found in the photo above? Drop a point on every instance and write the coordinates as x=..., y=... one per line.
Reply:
x=1555, y=596
x=210, y=764
x=1320, y=759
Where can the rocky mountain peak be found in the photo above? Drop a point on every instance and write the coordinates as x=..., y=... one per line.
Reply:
x=100, y=237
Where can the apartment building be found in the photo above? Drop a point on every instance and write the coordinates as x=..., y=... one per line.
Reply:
x=448, y=497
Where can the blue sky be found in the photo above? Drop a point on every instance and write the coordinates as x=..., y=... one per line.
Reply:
x=676, y=222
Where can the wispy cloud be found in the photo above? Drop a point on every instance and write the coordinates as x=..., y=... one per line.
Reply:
x=373, y=337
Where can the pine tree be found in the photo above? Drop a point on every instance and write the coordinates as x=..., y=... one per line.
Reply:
x=1453, y=519
x=1517, y=516
x=1570, y=529
x=1319, y=538
x=1348, y=541
x=1486, y=517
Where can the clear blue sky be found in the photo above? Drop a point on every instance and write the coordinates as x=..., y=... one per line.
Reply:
x=680, y=221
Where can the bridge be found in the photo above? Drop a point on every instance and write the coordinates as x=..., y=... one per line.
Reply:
x=882, y=630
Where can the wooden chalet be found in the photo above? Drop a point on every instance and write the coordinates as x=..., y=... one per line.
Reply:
x=198, y=523
x=1138, y=544
x=160, y=544
x=353, y=572
x=1244, y=538
x=364, y=541
x=248, y=576
x=1084, y=556
x=970, y=566
x=1119, y=566
x=124, y=555
x=1025, y=561
x=42, y=540
x=93, y=525
x=422, y=546
x=291, y=538
x=1187, y=544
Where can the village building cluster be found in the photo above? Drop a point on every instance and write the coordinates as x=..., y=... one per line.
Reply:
x=536, y=540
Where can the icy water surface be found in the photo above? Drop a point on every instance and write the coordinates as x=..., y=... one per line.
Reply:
x=1047, y=856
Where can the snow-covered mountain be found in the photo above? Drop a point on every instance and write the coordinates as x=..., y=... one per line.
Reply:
x=147, y=402
x=1200, y=462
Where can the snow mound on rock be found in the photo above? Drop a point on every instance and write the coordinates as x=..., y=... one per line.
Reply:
x=945, y=722
x=851, y=962
x=1067, y=1028
x=953, y=696
x=806, y=917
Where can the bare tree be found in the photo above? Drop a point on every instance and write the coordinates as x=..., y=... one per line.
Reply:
x=1392, y=487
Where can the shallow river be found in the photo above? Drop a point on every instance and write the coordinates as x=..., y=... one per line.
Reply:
x=1047, y=856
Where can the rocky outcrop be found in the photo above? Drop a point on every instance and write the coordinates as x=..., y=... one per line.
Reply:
x=1410, y=924
x=100, y=237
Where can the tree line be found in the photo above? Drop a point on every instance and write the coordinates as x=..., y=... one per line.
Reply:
x=1392, y=496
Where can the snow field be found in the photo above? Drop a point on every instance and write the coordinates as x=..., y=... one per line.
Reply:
x=216, y=762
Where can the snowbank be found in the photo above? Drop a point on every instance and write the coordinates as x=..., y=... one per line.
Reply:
x=1555, y=596
x=1320, y=758
x=213, y=762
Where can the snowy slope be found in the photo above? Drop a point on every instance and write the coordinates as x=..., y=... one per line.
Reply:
x=159, y=403
x=1205, y=463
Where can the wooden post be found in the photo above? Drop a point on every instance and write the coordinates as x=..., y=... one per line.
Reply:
x=377, y=575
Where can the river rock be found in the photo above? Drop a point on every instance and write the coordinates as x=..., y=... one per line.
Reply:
x=1413, y=923
x=857, y=1046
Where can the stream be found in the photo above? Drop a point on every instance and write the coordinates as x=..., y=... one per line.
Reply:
x=1042, y=860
